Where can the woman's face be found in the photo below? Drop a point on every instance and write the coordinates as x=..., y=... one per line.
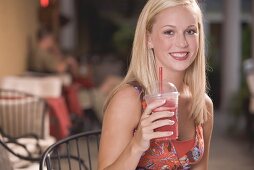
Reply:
x=175, y=38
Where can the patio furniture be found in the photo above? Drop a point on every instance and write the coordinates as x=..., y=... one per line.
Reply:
x=78, y=151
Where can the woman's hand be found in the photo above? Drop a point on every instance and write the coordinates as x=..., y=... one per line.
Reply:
x=150, y=121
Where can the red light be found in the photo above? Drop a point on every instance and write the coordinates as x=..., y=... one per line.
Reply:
x=44, y=3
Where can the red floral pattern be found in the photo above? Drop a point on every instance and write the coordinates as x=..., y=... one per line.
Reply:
x=162, y=155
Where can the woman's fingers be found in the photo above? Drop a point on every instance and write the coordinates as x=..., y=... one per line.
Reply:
x=152, y=106
x=149, y=122
x=160, y=134
x=160, y=109
x=160, y=123
x=158, y=115
x=146, y=121
x=145, y=131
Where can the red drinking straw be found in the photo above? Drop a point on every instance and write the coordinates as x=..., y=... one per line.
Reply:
x=160, y=79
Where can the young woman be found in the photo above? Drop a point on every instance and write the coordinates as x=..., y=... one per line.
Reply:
x=169, y=34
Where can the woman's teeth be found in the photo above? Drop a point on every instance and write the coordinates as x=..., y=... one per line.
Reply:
x=179, y=54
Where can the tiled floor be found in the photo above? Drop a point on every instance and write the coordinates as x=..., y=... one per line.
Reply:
x=229, y=152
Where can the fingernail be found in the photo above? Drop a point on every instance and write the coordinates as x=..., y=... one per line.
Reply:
x=172, y=122
x=171, y=133
x=163, y=101
x=171, y=113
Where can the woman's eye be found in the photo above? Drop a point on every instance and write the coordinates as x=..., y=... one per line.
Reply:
x=168, y=32
x=191, y=32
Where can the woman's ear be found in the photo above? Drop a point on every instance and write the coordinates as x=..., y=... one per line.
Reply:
x=149, y=41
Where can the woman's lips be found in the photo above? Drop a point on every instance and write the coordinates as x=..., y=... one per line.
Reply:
x=180, y=56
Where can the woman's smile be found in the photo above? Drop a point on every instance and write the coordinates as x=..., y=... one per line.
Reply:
x=179, y=56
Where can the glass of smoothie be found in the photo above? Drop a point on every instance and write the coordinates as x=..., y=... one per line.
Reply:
x=160, y=91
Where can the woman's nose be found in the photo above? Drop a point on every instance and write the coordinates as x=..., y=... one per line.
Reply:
x=181, y=41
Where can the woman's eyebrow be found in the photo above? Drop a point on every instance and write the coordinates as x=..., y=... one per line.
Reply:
x=191, y=26
x=169, y=26
x=175, y=26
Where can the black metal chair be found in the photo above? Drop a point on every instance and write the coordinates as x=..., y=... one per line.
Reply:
x=22, y=114
x=24, y=153
x=78, y=151
x=23, y=118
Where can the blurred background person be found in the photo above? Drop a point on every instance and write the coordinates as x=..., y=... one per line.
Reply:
x=47, y=57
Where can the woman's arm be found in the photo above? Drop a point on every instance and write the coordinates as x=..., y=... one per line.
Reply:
x=120, y=147
x=208, y=127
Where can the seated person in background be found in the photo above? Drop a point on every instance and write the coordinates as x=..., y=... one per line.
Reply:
x=48, y=58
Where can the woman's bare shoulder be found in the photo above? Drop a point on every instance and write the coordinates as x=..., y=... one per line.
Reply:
x=208, y=125
x=209, y=105
x=125, y=106
x=121, y=118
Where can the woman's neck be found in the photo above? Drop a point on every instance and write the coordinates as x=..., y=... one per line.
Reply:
x=174, y=77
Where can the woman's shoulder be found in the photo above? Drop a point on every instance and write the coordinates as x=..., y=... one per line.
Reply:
x=209, y=104
x=124, y=106
x=127, y=93
x=210, y=113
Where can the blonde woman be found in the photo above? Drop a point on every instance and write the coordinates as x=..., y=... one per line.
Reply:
x=169, y=34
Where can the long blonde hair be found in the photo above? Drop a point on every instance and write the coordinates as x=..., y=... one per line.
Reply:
x=142, y=65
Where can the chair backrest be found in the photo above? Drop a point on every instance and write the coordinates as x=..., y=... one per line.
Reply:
x=40, y=86
x=22, y=114
x=77, y=152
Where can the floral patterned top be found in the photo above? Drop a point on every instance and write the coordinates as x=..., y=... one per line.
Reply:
x=174, y=154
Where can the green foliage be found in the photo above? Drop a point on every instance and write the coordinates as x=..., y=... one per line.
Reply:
x=246, y=41
x=237, y=105
x=123, y=38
